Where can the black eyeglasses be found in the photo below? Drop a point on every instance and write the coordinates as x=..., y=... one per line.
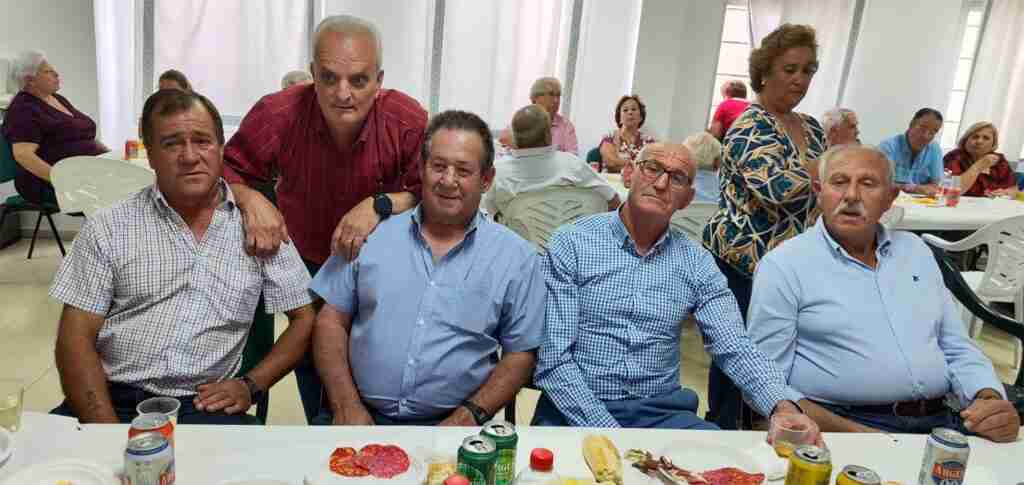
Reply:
x=654, y=170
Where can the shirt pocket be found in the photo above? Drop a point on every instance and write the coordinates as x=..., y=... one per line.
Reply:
x=467, y=308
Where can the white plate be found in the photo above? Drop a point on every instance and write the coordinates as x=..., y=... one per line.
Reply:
x=415, y=475
x=6, y=444
x=700, y=456
x=255, y=482
x=78, y=472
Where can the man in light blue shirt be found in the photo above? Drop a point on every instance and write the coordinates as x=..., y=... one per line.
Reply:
x=918, y=159
x=411, y=329
x=861, y=323
x=620, y=286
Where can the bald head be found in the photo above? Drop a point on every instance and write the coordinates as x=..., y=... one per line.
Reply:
x=673, y=156
x=531, y=127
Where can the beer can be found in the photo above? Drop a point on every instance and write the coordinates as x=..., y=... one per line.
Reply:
x=809, y=465
x=945, y=458
x=476, y=459
x=858, y=475
x=505, y=440
x=155, y=422
x=131, y=149
x=148, y=460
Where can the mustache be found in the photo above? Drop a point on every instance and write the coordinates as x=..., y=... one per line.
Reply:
x=856, y=207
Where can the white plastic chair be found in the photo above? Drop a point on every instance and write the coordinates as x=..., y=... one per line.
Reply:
x=1003, y=277
x=535, y=215
x=691, y=220
x=89, y=184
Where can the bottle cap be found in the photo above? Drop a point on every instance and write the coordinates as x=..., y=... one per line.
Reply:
x=542, y=459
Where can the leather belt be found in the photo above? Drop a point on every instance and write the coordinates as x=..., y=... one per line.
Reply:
x=912, y=409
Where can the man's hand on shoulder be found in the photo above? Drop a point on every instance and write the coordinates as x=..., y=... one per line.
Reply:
x=354, y=228
x=990, y=416
x=264, y=225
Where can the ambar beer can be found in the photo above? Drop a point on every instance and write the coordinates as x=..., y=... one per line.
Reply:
x=945, y=458
x=476, y=460
x=809, y=465
x=148, y=460
x=505, y=439
x=155, y=422
x=858, y=475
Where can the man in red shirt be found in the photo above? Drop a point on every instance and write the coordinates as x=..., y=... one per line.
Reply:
x=345, y=151
x=734, y=103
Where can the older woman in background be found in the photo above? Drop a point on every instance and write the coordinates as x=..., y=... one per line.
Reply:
x=983, y=171
x=620, y=148
x=707, y=151
x=43, y=127
x=734, y=103
x=174, y=79
x=295, y=77
x=766, y=188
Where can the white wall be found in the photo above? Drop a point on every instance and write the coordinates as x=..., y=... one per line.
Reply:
x=905, y=60
x=64, y=31
x=677, y=52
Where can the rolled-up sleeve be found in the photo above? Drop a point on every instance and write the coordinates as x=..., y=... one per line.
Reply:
x=558, y=374
x=336, y=284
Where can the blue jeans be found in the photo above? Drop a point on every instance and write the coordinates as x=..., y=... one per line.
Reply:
x=307, y=379
x=125, y=398
x=900, y=424
x=675, y=410
x=725, y=401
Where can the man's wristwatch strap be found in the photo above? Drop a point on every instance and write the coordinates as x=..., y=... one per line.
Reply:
x=255, y=393
x=480, y=414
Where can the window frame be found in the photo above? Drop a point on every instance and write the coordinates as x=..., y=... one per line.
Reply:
x=969, y=7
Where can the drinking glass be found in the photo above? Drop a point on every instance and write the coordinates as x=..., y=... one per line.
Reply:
x=12, y=400
x=786, y=434
x=167, y=406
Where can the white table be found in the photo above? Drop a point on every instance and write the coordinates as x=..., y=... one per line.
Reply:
x=89, y=184
x=971, y=214
x=213, y=455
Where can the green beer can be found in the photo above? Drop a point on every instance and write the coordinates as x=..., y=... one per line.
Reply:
x=505, y=439
x=477, y=457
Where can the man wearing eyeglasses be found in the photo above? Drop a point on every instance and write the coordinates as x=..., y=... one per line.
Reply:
x=547, y=93
x=620, y=285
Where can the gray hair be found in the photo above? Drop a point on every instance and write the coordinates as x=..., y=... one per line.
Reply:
x=531, y=127
x=25, y=65
x=834, y=117
x=295, y=77
x=705, y=148
x=349, y=25
x=543, y=85
x=836, y=151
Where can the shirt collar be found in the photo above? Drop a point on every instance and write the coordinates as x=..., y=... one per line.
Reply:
x=478, y=218
x=227, y=197
x=883, y=238
x=532, y=152
x=622, y=234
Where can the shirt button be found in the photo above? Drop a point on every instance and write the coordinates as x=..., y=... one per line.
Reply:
x=420, y=321
x=412, y=361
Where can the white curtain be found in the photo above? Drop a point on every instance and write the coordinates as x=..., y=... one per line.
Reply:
x=833, y=22
x=118, y=67
x=233, y=51
x=493, y=51
x=996, y=93
x=406, y=29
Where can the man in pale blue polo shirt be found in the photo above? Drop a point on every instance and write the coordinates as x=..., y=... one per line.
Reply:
x=411, y=329
x=918, y=159
x=861, y=323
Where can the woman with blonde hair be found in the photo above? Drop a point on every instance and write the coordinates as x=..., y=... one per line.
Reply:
x=983, y=171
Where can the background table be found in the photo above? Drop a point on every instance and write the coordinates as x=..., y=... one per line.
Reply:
x=213, y=455
x=971, y=214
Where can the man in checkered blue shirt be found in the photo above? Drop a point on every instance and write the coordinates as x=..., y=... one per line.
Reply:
x=159, y=294
x=620, y=285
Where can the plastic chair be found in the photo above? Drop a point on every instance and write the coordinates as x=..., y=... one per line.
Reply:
x=691, y=220
x=17, y=203
x=1002, y=279
x=535, y=215
x=257, y=346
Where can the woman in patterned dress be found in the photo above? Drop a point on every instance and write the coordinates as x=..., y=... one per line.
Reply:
x=620, y=147
x=766, y=195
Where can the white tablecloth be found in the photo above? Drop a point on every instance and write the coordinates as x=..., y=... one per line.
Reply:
x=213, y=455
x=971, y=214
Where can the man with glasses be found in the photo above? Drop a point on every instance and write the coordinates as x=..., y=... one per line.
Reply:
x=547, y=93
x=620, y=286
x=918, y=158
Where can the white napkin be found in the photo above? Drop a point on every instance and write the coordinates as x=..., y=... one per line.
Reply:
x=773, y=467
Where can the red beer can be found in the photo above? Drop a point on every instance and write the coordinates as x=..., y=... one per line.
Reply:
x=131, y=149
x=152, y=422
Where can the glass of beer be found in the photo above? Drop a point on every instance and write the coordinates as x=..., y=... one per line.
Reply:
x=12, y=400
x=168, y=406
x=786, y=434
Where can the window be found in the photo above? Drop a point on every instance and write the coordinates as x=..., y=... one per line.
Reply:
x=973, y=23
x=733, y=53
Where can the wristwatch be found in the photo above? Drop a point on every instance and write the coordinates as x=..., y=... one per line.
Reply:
x=480, y=414
x=255, y=393
x=382, y=206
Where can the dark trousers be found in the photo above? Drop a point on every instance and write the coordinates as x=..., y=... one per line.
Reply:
x=125, y=398
x=900, y=424
x=725, y=401
x=311, y=388
x=675, y=410
x=326, y=417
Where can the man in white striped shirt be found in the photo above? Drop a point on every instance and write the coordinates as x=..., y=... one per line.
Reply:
x=159, y=293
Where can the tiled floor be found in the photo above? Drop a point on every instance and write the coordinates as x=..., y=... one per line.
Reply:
x=28, y=324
